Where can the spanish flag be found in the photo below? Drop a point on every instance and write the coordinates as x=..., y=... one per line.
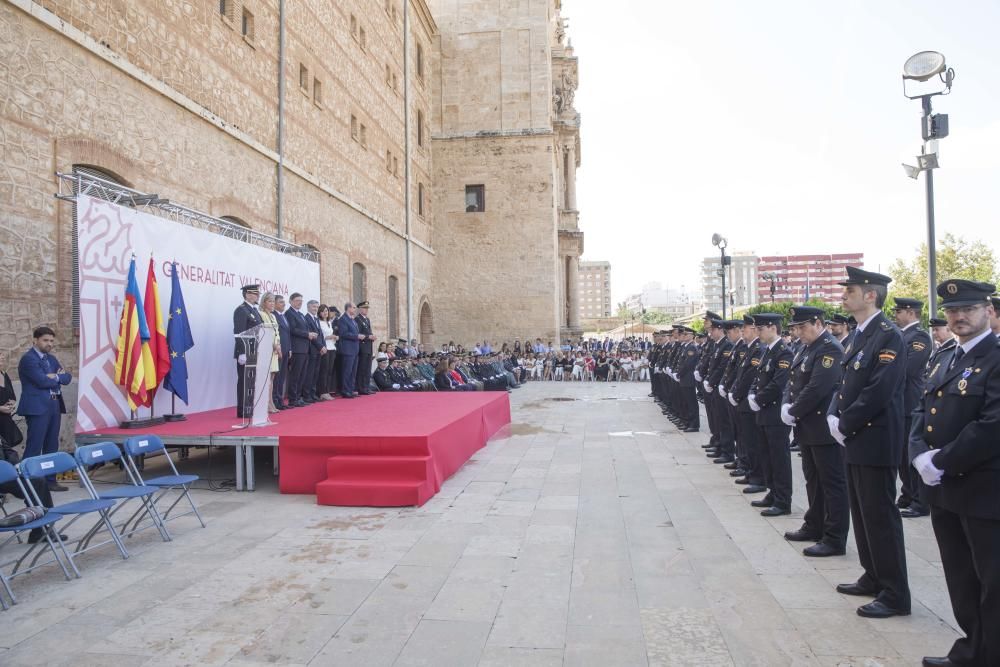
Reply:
x=157, y=332
x=134, y=368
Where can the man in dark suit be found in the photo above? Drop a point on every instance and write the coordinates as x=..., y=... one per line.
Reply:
x=866, y=416
x=302, y=337
x=42, y=406
x=764, y=398
x=815, y=372
x=364, y=378
x=347, y=348
x=953, y=446
x=335, y=365
x=918, y=346
x=246, y=316
x=317, y=348
x=278, y=390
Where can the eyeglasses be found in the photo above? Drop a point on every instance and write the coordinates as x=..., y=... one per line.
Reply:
x=964, y=310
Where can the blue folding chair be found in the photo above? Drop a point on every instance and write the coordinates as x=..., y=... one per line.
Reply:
x=8, y=473
x=108, y=452
x=141, y=445
x=46, y=465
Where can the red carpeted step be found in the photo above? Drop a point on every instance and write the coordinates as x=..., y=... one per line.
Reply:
x=377, y=481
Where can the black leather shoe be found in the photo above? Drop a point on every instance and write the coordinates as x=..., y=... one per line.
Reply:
x=793, y=448
x=902, y=503
x=300, y=403
x=910, y=513
x=878, y=609
x=738, y=472
x=774, y=510
x=856, y=589
x=741, y=481
x=708, y=446
x=690, y=429
x=712, y=453
x=801, y=535
x=822, y=550
x=766, y=501
x=753, y=488
x=725, y=458
x=732, y=465
x=936, y=662
x=35, y=536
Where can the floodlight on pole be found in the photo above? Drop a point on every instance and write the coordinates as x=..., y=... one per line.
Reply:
x=719, y=241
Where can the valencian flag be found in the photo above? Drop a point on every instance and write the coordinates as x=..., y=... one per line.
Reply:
x=134, y=369
x=179, y=339
x=157, y=332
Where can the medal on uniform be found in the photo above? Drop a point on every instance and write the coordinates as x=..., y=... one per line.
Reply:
x=963, y=383
x=857, y=362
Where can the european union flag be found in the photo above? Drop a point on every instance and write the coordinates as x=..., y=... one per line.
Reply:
x=179, y=339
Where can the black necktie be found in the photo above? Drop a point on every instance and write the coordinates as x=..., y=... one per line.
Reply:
x=959, y=353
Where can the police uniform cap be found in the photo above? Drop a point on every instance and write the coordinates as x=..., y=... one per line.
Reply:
x=856, y=276
x=904, y=303
x=382, y=357
x=766, y=319
x=709, y=315
x=250, y=289
x=748, y=320
x=804, y=314
x=957, y=292
x=838, y=318
x=716, y=323
x=363, y=304
x=729, y=325
x=995, y=300
x=937, y=322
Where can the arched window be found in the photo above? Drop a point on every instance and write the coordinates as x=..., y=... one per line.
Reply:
x=359, y=282
x=393, y=307
x=426, y=322
x=85, y=170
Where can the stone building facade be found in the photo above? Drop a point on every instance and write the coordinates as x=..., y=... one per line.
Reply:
x=182, y=99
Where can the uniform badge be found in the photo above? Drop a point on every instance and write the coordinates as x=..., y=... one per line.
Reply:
x=690, y=353
x=886, y=356
x=857, y=362
x=755, y=362
x=964, y=382
x=783, y=365
x=918, y=346
x=935, y=370
x=827, y=361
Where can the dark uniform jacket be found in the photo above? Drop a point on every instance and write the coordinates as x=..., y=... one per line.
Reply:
x=687, y=361
x=959, y=416
x=382, y=380
x=732, y=369
x=815, y=372
x=746, y=375
x=244, y=317
x=918, y=350
x=364, y=329
x=949, y=344
x=769, y=383
x=707, y=353
x=716, y=368
x=869, y=399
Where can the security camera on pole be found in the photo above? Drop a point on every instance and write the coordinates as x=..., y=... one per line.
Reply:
x=923, y=67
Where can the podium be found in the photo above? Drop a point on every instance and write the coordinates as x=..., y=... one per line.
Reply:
x=254, y=377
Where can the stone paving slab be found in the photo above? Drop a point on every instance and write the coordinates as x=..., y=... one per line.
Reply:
x=590, y=532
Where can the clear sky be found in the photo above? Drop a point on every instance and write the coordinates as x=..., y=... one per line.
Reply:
x=780, y=124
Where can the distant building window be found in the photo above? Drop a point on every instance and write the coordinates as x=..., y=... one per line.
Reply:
x=303, y=77
x=420, y=198
x=317, y=91
x=420, y=61
x=246, y=26
x=475, y=198
x=354, y=127
x=420, y=128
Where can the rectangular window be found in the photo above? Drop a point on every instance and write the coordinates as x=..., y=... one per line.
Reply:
x=362, y=39
x=420, y=61
x=420, y=128
x=475, y=198
x=388, y=161
x=354, y=127
x=317, y=91
x=420, y=198
x=395, y=166
x=364, y=135
x=222, y=6
x=395, y=82
x=246, y=26
x=388, y=75
x=303, y=77
x=354, y=26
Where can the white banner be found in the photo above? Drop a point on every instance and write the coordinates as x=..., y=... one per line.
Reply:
x=212, y=268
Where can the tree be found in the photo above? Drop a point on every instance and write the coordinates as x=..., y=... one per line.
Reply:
x=656, y=317
x=623, y=313
x=956, y=258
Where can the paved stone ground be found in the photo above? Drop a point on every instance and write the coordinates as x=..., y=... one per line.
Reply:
x=591, y=534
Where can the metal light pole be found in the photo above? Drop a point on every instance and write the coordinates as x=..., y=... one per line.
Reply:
x=720, y=241
x=922, y=67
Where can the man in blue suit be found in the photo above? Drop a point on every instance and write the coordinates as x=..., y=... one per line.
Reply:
x=347, y=350
x=42, y=380
x=302, y=337
x=286, y=351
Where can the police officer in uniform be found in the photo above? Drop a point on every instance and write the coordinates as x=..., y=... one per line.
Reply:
x=246, y=316
x=684, y=368
x=942, y=337
x=726, y=452
x=866, y=416
x=815, y=372
x=747, y=444
x=364, y=372
x=765, y=400
x=734, y=330
x=954, y=447
x=918, y=345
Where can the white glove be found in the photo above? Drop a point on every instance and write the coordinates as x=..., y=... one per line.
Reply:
x=834, y=423
x=929, y=472
x=732, y=401
x=707, y=386
x=241, y=360
x=722, y=389
x=697, y=376
x=395, y=386
x=752, y=400
x=676, y=377
x=785, y=417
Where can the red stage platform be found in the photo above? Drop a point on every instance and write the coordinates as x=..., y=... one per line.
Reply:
x=390, y=449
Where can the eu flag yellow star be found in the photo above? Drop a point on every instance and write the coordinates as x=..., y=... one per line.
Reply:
x=173, y=355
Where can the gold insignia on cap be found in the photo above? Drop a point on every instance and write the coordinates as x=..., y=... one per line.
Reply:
x=952, y=288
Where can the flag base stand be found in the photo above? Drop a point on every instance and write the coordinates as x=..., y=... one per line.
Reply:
x=175, y=417
x=141, y=423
